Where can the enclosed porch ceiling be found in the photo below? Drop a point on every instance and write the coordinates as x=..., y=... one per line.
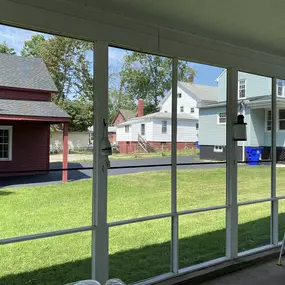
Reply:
x=244, y=34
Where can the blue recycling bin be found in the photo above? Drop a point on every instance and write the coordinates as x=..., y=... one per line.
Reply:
x=253, y=155
x=197, y=145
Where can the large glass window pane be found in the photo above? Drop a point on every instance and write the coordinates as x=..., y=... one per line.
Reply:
x=253, y=226
x=254, y=171
x=140, y=116
x=35, y=209
x=202, y=237
x=281, y=219
x=53, y=76
x=54, y=260
x=203, y=183
x=140, y=251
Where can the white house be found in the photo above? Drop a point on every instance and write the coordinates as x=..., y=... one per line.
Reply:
x=153, y=131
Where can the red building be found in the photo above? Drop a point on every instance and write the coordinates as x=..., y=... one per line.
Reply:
x=26, y=113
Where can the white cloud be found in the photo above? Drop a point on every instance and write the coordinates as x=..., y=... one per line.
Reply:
x=15, y=37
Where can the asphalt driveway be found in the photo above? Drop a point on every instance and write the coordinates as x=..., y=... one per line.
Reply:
x=132, y=166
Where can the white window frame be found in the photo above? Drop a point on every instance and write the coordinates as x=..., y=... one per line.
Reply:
x=164, y=127
x=192, y=110
x=277, y=120
x=278, y=81
x=179, y=95
x=181, y=109
x=219, y=117
x=218, y=148
x=266, y=119
x=143, y=129
x=10, y=142
x=239, y=88
x=127, y=129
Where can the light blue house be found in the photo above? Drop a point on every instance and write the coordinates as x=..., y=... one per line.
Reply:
x=254, y=92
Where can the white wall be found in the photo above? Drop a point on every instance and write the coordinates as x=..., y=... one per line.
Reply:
x=135, y=130
x=76, y=140
x=186, y=101
x=186, y=131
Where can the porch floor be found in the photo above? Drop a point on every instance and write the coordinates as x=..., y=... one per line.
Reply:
x=261, y=274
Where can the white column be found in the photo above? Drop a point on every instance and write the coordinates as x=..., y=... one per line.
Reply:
x=174, y=219
x=274, y=204
x=232, y=210
x=100, y=239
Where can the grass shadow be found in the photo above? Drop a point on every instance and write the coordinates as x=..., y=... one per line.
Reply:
x=6, y=193
x=142, y=263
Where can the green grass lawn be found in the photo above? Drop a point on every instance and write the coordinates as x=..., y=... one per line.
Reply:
x=137, y=251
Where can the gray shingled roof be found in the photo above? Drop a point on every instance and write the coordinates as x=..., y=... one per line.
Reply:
x=160, y=115
x=31, y=108
x=128, y=114
x=202, y=92
x=25, y=72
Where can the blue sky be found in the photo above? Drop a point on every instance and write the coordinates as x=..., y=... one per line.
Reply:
x=15, y=38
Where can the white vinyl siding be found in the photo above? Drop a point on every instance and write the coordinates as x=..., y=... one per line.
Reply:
x=211, y=133
x=185, y=101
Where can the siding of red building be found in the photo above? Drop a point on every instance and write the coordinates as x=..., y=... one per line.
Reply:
x=119, y=119
x=14, y=94
x=30, y=147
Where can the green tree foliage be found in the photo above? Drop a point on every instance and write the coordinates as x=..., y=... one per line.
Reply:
x=5, y=49
x=66, y=60
x=33, y=47
x=81, y=112
x=148, y=77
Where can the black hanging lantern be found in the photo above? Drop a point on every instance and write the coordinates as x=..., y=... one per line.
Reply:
x=240, y=129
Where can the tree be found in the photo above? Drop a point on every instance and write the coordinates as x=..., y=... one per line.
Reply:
x=81, y=113
x=67, y=63
x=148, y=77
x=5, y=49
x=66, y=60
x=34, y=46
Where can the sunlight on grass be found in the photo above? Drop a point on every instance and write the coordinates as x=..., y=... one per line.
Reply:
x=208, y=237
x=54, y=260
x=146, y=244
x=254, y=226
x=27, y=210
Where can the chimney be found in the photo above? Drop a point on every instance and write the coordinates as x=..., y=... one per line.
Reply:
x=140, y=107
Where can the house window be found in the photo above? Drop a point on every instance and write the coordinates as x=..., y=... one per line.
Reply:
x=164, y=127
x=222, y=118
x=281, y=119
x=192, y=110
x=142, y=129
x=268, y=121
x=182, y=109
x=280, y=87
x=179, y=95
x=241, y=89
x=218, y=148
x=127, y=128
x=5, y=143
x=197, y=126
